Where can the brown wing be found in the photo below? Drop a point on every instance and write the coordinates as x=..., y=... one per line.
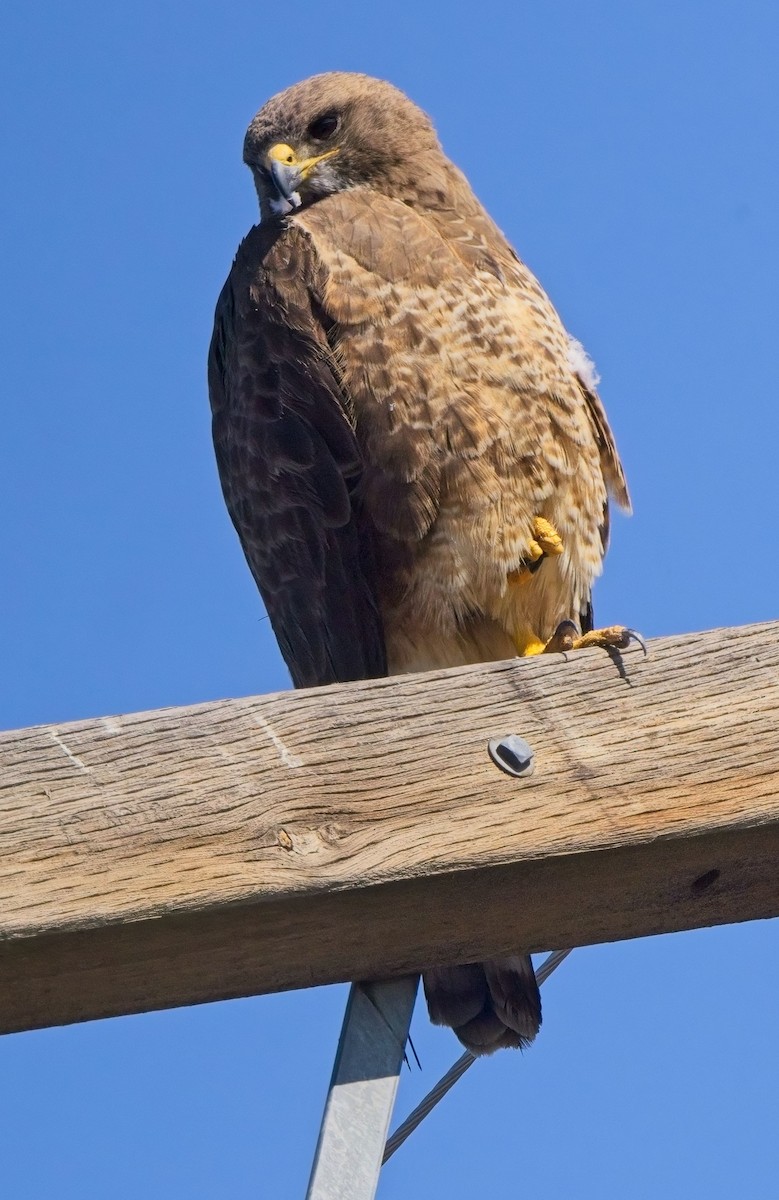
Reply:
x=289, y=462
x=610, y=461
x=613, y=474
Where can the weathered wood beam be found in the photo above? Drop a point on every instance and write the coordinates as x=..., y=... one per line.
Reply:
x=362, y=831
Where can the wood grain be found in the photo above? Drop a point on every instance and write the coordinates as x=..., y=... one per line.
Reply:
x=360, y=831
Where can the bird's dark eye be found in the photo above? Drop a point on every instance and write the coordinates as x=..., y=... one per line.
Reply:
x=321, y=128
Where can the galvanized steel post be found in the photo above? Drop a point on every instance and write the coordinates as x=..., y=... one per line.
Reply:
x=362, y=1091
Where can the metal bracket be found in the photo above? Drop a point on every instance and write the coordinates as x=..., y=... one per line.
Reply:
x=362, y=1091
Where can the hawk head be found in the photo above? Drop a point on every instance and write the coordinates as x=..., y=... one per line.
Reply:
x=339, y=131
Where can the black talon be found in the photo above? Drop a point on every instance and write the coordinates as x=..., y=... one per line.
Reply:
x=634, y=636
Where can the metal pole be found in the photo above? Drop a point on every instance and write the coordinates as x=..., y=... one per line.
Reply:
x=359, y=1104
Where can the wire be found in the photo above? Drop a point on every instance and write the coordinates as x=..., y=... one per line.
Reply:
x=455, y=1072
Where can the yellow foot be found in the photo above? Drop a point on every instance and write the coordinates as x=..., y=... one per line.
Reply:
x=546, y=537
x=545, y=541
x=615, y=637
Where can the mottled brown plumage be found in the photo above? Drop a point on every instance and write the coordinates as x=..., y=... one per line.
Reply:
x=401, y=426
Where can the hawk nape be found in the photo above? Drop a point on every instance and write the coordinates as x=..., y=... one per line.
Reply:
x=410, y=445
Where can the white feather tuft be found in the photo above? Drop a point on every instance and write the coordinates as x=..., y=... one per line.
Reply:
x=580, y=362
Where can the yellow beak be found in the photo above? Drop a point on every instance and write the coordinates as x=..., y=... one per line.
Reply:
x=287, y=172
x=286, y=157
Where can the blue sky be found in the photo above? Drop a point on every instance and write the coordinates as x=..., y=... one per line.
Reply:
x=629, y=152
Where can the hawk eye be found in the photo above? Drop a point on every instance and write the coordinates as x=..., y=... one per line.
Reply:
x=321, y=128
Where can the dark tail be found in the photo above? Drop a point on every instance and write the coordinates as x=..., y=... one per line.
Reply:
x=488, y=1005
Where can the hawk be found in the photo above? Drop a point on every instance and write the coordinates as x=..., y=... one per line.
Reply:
x=410, y=445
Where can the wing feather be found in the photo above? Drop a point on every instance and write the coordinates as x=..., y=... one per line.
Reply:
x=289, y=462
x=613, y=472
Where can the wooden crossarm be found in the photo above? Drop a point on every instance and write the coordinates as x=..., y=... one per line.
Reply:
x=362, y=831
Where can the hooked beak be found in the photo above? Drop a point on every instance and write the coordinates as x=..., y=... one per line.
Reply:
x=288, y=172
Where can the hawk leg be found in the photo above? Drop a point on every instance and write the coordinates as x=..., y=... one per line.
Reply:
x=546, y=541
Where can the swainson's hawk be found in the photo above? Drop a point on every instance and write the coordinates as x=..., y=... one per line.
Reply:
x=410, y=444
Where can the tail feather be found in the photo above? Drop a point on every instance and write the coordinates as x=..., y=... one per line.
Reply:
x=486, y=1033
x=488, y=1005
x=455, y=995
x=515, y=994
